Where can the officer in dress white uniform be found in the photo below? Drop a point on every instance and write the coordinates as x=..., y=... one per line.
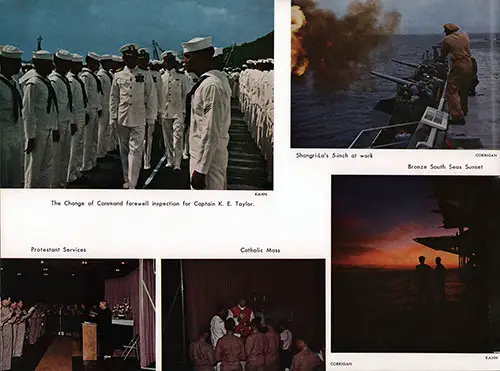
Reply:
x=209, y=117
x=80, y=117
x=41, y=128
x=113, y=136
x=106, y=80
x=11, y=128
x=132, y=106
x=67, y=127
x=143, y=64
x=175, y=88
x=94, y=94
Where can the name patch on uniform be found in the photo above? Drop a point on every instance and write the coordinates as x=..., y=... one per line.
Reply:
x=207, y=108
x=139, y=78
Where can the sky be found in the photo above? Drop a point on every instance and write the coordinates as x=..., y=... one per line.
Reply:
x=103, y=26
x=428, y=16
x=376, y=218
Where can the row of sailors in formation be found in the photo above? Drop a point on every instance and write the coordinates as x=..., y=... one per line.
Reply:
x=259, y=351
x=15, y=323
x=74, y=115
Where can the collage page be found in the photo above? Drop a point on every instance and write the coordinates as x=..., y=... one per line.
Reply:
x=249, y=185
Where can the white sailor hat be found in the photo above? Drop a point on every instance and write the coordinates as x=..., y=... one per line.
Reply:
x=116, y=58
x=64, y=55
x=218, y=51
x=106, y=57
x=77, y=58
x=197, y=44
x=42, y=54
x=94, y=56
x=9, y=51
x=129, y=49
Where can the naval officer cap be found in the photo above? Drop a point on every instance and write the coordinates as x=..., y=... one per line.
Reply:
x=197, y=44
x=167, y=52
x=129, y=49
x=64, y=55
x=106, y=57
x=9, y=51
x=77, y=58
x=143, y=52
x=117, y=58
x=42, y=55
x=94, y=56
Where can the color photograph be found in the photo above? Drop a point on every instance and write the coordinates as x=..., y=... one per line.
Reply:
x=415, y=264
x=247, y=314
x=117, y=95
x=395, y=74
x=77, y=315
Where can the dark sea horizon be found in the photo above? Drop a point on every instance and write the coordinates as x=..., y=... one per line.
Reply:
x=332, y=119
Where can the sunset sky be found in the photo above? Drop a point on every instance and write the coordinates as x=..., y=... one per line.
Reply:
x=375, y=218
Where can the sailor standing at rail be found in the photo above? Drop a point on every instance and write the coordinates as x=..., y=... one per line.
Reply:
x=11, y=128
x=106, y=80
x=132, y=105
x=175, y=87
x=40, y=123
x=80, y=117
x=94, y=94
x=208, y=113
x=67, y=127
x=143, y=64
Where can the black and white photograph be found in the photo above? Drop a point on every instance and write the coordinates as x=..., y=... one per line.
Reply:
x=246, y=314
x=395, y=74
x=77, y=315
x=119, y=95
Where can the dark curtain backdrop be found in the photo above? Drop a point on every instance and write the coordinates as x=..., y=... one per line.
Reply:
x=294, y=286
x=128, y=287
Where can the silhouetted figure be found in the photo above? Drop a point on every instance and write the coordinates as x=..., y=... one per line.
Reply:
x=475, y=81
x=423, y=281
x=440, y=280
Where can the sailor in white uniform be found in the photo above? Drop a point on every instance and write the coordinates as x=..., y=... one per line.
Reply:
x=132, y=106
x=11, y=127
x=113, y=136
x=175, y=90
x=143, y=64
x=209, y=116
x=67, y=127
x=106, y=80
x=80, y=117
x=40, y=123
x=94, y=94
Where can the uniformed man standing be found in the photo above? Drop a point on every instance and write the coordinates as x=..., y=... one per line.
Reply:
x=11, y=129
x=143, y=64
x=94, y=94
x=132, y=106
x=7, y=319
x=113, y=136
x=106, y=80
x=457, y=45
x=41, y=128
x=80, y=117
x=175, y=88
x=209, y=117
x=67, y=127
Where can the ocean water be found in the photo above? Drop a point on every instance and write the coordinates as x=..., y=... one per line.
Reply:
x=333, y=119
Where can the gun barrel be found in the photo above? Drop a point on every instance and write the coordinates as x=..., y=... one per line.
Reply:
x=397, y=80
x=408, y=64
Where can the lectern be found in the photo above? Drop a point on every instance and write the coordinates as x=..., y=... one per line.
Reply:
x=89, y=342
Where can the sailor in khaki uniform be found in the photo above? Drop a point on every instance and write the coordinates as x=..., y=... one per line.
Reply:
x=11, y=128
x=209, y=117
x=143, y=64
x=132, y=106
x=94, y=94
x=175, y=90
x=106, y=80
x=41, y=128
x=67, y=127
x=80, y=117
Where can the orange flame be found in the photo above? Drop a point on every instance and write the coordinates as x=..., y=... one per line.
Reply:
x=300, y=63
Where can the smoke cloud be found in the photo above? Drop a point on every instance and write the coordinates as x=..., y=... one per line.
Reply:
x=335, y=48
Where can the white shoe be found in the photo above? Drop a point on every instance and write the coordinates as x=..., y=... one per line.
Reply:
x=169, y=164
x=185, y=156
x=147, y=167
x=177, y=168
x=126, y=185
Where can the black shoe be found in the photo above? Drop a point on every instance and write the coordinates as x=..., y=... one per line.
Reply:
x=458, y=122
